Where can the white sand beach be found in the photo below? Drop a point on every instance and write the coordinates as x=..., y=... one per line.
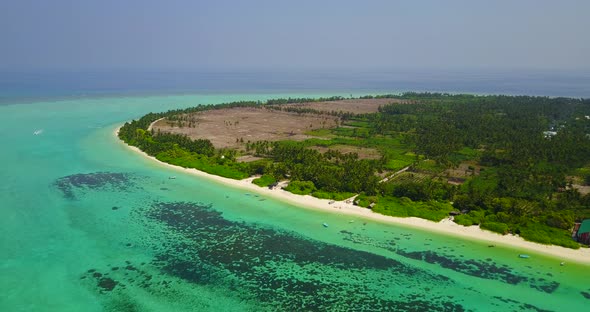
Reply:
x=445, y=226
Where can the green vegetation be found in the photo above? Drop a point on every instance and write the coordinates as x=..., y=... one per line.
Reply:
x=365, y=201
x=548, y=235
x=264, y=180
x=405, y=207
x=322, y=132
x=513, y=178
x=473, y=217
x=333, y=195
x=497, y=227
x=182, y=158
x=301, y=187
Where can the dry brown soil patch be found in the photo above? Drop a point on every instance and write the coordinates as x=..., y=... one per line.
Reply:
x=233, y=127
x=229, y=127
x=356, y=106
x=363, y=152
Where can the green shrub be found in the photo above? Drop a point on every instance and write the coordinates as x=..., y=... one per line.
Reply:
x=405, y=207
x=477, y=216
x=391, y=207
x=562, y=220
x=431, y=210
x=300, y=187
x=463, y=219
x=185, y=159
x=498, y=227
x=365, y=201
x=535, y=236
x=544, y=234
x=258, y=166
x=474, y=217
x=264, y=180
x=332, y=195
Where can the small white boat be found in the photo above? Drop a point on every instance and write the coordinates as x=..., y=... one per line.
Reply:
x=562, y=264
x=325, y=224
x=524, y=256
x=38, y=131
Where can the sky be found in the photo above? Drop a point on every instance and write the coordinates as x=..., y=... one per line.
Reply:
x=303, y=34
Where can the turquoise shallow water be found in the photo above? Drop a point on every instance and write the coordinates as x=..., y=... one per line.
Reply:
x=88, y=225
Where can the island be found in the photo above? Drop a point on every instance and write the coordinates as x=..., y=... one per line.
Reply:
x=514, y=165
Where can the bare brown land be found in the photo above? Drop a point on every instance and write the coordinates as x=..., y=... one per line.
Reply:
x=232, y=127
x=363, y=152
x=356, y=106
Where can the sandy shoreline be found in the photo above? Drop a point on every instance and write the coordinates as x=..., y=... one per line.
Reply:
x=446, y=226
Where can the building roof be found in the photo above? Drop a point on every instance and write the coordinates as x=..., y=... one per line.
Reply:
x=584, y=227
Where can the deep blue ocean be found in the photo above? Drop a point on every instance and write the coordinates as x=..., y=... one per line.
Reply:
x=30, y=86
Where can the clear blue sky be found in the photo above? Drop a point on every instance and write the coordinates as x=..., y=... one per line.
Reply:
x=232, y=34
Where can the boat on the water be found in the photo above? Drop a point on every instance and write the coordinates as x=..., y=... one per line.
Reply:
x=325, y=224
x=524, y=256
x=37, y=132
x=172, y=177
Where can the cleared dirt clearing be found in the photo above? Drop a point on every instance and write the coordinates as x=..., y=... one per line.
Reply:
x=232, y=127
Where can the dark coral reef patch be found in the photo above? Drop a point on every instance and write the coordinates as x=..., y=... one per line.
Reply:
x=92, y=181
x=285, y=270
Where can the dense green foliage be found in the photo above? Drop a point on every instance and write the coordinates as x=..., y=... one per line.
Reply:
x=405, y=207
x=264, y=180
x=519, y=157
x=528, y=146
x=301, y=187
x=217, y=166
x=329, y=172
x=333, y=195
